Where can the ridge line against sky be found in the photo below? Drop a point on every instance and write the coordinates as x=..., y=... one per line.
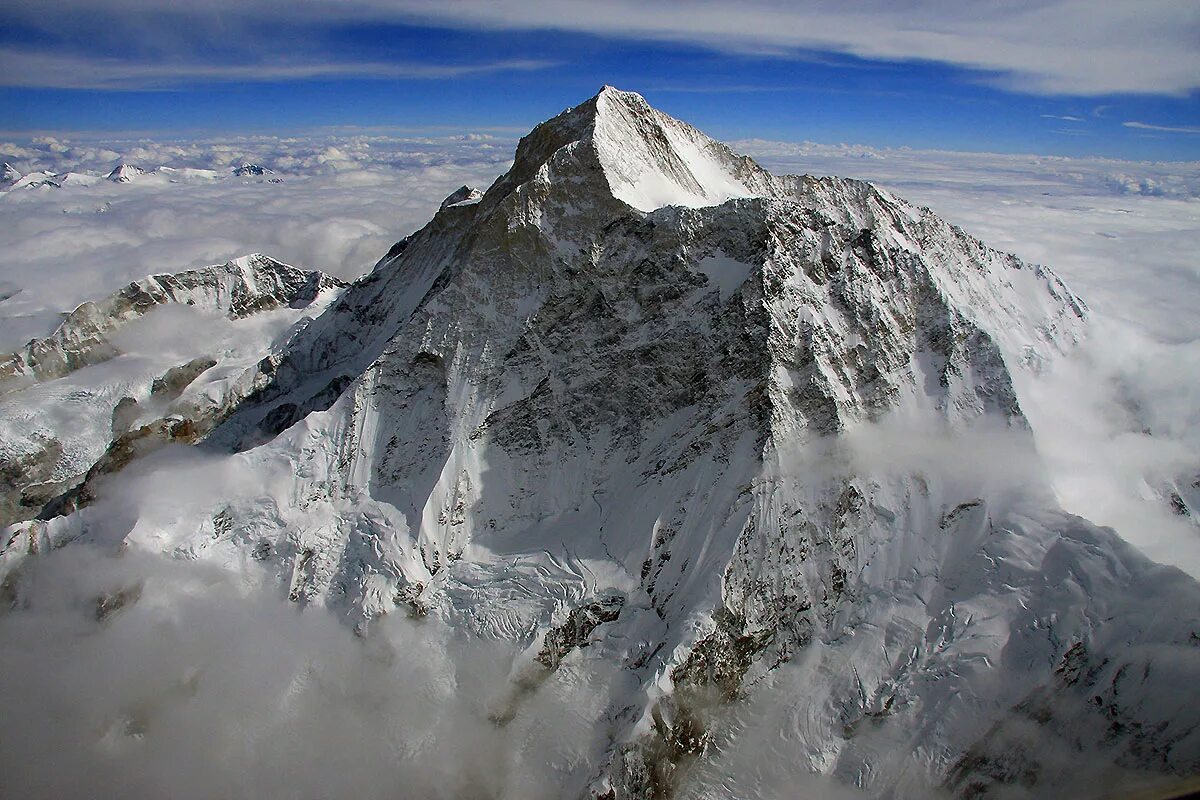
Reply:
x=1067, y=77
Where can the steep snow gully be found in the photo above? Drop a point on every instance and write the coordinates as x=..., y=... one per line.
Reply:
x=750, y=441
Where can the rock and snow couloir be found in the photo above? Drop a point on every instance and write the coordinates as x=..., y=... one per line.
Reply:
x=740, y=435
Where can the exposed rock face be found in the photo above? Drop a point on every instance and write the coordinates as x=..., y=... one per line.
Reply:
x=251, y=170
x=9, y=175
x=638, y=397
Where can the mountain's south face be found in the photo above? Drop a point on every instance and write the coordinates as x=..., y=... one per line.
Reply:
x=734, y=435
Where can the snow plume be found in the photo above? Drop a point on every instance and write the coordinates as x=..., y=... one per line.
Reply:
x=202, y=685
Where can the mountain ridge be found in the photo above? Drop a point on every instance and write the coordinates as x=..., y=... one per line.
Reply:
x=724, y=443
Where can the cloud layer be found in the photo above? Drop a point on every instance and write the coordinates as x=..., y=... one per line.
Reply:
x=342, y=203
x=1072, y=47
x=144, y=676
x=47, y=70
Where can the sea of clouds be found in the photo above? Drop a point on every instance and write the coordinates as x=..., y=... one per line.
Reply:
x=341, y=202
x=206, y=686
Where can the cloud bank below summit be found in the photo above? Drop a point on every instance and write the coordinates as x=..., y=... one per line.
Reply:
x=342, y=203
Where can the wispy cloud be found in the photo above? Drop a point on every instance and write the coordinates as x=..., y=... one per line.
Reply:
x=1063, y=117
x=1145, y=126
x=40, y=70
x=1046, y=47
x=1072, y=47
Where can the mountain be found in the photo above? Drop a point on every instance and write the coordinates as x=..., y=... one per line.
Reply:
x=126, y=173
x=122, y=173
x=9, y=175
x=246, y=169
x=77, y=179
x=750, y=441
x=462, y=195
x=35, y=180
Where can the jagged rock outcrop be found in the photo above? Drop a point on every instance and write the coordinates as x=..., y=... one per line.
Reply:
x=9, y=175
x=463, y=194
x=725, y=429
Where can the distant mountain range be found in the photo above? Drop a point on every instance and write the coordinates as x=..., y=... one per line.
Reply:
x=11, y=178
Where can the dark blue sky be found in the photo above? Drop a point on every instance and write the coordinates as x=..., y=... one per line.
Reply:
x=120, y=65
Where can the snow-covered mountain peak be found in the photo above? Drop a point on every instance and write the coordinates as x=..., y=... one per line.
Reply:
x=648, y=159
x=463, y=195
x=125, y=173
x=652, y=159
x=9, y=174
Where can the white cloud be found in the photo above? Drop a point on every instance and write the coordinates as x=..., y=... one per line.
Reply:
x=205, y=687
x=1039, y=46
x=1145, y=126
x=1054, y=47
x=39, y=70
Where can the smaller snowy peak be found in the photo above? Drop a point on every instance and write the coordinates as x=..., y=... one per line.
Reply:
x=649, y=159
x=125, y=173
x=462, y=196
x=77, y=179
x=246, y=169
x=237, y=289
x=36, y=180
x=9, y=175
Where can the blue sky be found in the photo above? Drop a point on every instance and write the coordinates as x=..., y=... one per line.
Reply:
x=1055, y=76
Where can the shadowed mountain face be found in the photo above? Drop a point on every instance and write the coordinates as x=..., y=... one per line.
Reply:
x=749, y=439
